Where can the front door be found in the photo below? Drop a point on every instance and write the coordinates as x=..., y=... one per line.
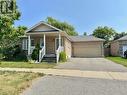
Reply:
x=41, y=42
x=50, y=46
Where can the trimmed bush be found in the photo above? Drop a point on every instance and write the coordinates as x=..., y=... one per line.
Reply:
x=35, y=53
x=125, y=54
x=63, y=57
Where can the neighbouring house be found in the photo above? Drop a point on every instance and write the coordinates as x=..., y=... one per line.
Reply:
x=53, y=40
x=118, y=47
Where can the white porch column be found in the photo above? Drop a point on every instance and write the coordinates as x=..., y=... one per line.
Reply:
x=59, y=40
x=44, y=43
x=29, y=44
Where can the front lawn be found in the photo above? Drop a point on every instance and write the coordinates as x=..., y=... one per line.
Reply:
x=118, y=60
x=13, y=83
x=26, y=65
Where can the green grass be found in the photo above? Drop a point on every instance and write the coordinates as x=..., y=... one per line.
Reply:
x=13, y=83
x=26, y=65
x=118, y=60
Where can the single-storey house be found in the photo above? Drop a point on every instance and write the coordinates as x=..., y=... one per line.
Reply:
x=118, y=47
x=53, y=40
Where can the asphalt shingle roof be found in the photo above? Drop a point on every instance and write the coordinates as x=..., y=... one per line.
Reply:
x=84, y=38
x=123, y=38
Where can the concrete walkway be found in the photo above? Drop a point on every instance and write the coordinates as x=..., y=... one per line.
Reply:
x=74, y=73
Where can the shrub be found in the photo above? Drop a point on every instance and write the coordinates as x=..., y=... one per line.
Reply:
x=14, y=54
x=1, y=57
x=35, y=53
x=8, y=53
x=125, y=54
x=63, y=57
x=21, y=56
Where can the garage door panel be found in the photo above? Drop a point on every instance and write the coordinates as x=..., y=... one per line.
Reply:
x=87, y=46
x=87, y=50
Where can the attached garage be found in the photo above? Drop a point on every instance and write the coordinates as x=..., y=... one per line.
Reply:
x=85, y=47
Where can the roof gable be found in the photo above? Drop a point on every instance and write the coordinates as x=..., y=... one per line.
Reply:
x=123, y=38
x=42, y=27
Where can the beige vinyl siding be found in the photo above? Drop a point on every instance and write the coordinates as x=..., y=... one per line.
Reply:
x=50, y=45
x=42, y=27
x=87, y=49
x=115, y=48
x=67, y=47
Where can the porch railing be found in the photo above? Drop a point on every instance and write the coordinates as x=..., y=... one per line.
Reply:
x=58, y=53
x=41, y=54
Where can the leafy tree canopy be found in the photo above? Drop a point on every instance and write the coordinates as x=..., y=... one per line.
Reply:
x=119, y=35
x=9, y=35
x=84, y=33
x=104, y=33
x=62, y=25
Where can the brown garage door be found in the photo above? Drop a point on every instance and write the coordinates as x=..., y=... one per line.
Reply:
x=91, y=49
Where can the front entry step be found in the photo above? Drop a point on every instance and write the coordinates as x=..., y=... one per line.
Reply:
x=50, y=58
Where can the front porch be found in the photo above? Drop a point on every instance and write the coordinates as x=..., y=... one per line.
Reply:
x=51, y=45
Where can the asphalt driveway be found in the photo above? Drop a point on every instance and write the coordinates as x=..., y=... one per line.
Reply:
x=59, y=85
x=63, y=85
x=92, y=64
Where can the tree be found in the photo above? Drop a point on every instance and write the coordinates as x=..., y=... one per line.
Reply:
x=84, y=33
x=20, y=30
x=9, y=35
x=7, y=30
x=104, y=33
x=119, y=35
x=69, y=29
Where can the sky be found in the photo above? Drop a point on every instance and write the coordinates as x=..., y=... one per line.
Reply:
x=84, y=15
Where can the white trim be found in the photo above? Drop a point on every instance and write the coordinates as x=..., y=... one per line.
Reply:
x=29, y=45
x=42, y=22
x=41, y=33
x=61, y=43
x=55, y=43
x=44, y=43
x=60, y=40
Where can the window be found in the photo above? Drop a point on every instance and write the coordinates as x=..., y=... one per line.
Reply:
x=62, y=42
x=41, y=42
x=32, y=42
x=57, y=42
x=24, y=44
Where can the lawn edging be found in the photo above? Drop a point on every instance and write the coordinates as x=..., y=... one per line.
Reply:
x=118, y=60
